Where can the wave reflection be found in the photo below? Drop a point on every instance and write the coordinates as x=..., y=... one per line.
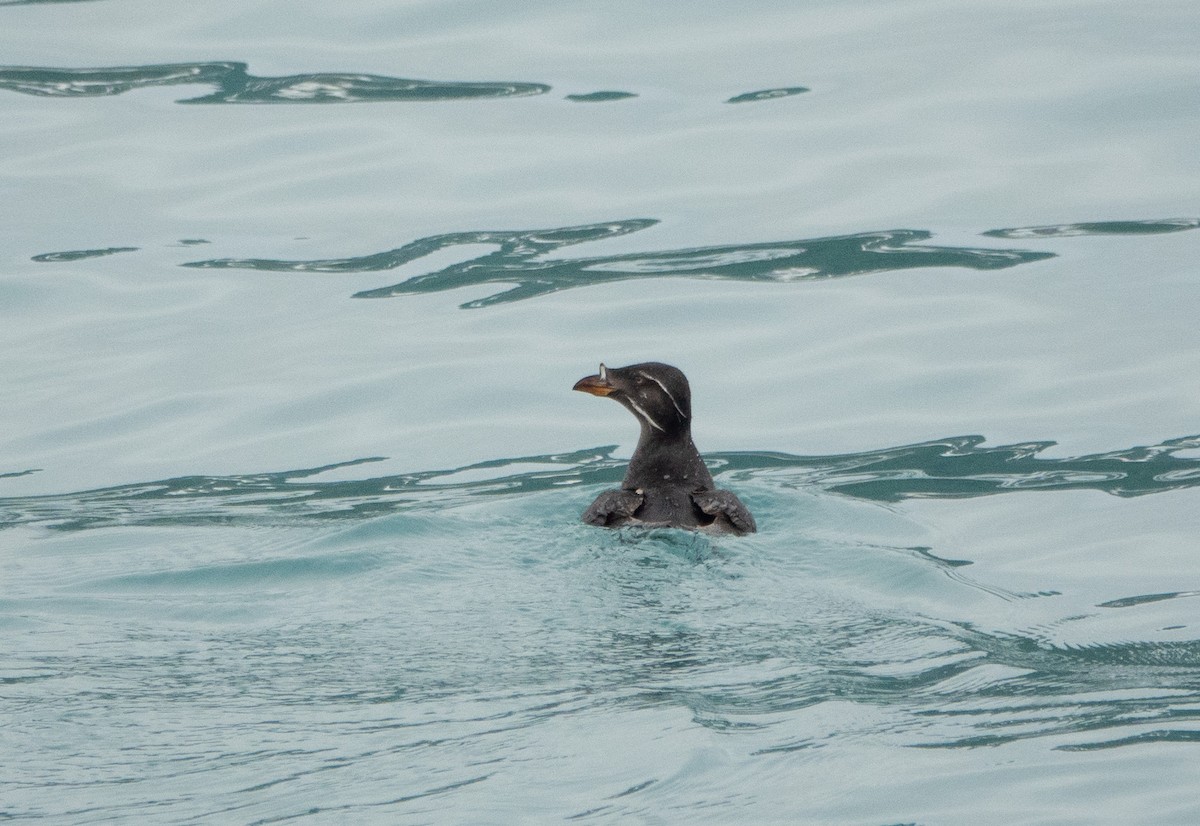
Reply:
x=768, y=94
x=952, y=468
x=961, y=467
x=1152, y=227
x=521, y=260
x=79, y=255
x=601, y=97
x=234, y=84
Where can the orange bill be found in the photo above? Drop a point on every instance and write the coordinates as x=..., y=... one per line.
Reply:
x=595, y=385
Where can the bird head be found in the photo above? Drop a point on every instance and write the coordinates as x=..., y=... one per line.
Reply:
x=656, y=393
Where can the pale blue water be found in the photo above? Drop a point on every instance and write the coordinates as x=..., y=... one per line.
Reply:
x=292, y=297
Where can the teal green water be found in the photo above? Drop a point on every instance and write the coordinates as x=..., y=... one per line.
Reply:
x=271, y=552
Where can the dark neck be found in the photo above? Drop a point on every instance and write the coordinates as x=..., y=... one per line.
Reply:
x=667, y=460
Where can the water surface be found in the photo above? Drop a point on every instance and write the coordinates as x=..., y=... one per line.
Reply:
x=274, y=553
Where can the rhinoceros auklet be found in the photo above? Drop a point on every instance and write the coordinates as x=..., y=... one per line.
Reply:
x=667, y=483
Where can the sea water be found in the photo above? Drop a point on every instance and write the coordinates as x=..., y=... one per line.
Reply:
x=292, y=298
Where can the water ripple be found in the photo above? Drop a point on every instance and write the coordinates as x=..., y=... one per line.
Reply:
x=1143, y=599
x=1151, y=227
x=521, y=260
x=768, y=94
x=79, y=255
x=234, y=84
x=601, y=97
x=962, y=467
x=951, y=468
x=443, y=648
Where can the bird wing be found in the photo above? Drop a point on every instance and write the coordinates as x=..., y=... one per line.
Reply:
x=613, y=505
x=718, y=503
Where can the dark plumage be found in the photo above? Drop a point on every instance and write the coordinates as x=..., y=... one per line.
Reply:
x=667, y=483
